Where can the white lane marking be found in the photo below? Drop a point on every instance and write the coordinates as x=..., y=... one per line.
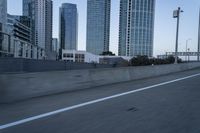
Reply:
x=89, y=103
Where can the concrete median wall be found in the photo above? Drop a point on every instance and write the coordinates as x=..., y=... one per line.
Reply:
x=15, y=87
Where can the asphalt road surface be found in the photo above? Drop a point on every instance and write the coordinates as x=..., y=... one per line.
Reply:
x=165, y=104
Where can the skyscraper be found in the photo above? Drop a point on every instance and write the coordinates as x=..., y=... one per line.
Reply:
x=3, y=15
x=68, y=26
x=136, y=30
x=48, y=29
x=98, y=26
x=40, y=13
x=3, y=20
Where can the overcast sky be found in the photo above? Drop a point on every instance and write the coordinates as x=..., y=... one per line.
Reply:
x=165, y=25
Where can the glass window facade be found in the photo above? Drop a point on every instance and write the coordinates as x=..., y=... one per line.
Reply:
x=98, y=26
x=3, y=20
x=136, y=28
x=40, y=14
x=3, y=14
x=68, y=26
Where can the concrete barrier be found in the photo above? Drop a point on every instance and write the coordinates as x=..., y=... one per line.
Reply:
x=14, y=87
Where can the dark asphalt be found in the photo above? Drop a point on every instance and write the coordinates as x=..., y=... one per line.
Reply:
x=171, y=108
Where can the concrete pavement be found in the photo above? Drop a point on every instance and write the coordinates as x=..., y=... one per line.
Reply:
x=167, y=108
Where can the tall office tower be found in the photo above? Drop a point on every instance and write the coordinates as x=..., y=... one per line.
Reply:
x=3, y=15
x=3, y=21
x=98, y=26
x=136, y=27
x=68, y=26
x=40, y=12
x=48, y=29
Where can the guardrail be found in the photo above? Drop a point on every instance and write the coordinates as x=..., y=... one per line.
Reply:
x=15, y=87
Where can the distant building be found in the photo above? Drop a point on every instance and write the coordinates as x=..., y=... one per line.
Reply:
x=79, y=56
x=3, y=20
x=55, y=45
x=48, y=33
x=40, y=13
x=98, y=26
x=3, y=15
x=136, y=30
x=68, y=26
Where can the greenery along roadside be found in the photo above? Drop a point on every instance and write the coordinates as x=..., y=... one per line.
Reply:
x=144, y=61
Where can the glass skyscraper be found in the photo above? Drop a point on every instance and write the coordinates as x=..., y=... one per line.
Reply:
x=40, y=13
x=3, y=21
x=136, y=30
x=98, y=26
x=68, y=26
x=3, y=15
x=48, y=29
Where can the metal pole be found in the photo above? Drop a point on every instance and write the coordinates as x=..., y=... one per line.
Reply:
x=177, y=33
x=199, y=39
x=186, y=50
x=188, y=55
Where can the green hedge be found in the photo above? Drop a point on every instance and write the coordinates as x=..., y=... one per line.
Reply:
x=144, y=61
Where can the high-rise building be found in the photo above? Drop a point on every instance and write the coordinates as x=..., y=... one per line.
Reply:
x=3, y=20
x=20, y=46
x=136, y=27
x=48, y=29
x=55, y=45
x=19, y=27
x=98, y=26
x=68, y=26
x=3, y=15
x=40, y=13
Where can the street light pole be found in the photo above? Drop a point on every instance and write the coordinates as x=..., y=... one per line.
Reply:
x=187, y=48
x=199, y=39
x=188, y=55
x=177, y=15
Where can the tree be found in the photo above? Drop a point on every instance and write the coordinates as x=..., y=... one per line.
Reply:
x=108, y=53
x=144, y=60
x=140, y=61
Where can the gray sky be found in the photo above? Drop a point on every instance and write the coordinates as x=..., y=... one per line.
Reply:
x=165, y=25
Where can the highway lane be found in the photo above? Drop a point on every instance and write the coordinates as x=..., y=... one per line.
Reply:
x=172, y=107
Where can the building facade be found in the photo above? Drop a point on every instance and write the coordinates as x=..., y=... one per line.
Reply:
x=3, y=20
x=98, y=26
x=79, y=56
x=40, y=13
x=68, y=26
x=3, y=15
x=48, y=30
x=55, y=45
x=19, y=27
x=136, y=27
x=20, y=46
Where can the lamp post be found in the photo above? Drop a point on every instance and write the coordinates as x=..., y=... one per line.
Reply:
x=198, y=58
x=188, y=55
x=176, y=14
x=187, y=47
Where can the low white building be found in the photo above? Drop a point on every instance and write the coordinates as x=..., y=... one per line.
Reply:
x=79, y=56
